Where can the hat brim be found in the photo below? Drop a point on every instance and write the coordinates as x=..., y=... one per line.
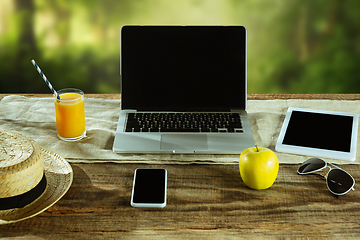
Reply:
x=59, y=176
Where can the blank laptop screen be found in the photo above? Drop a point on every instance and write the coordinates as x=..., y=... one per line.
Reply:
x=185, y=68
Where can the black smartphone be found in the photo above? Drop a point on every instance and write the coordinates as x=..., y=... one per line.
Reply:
x=149, y=188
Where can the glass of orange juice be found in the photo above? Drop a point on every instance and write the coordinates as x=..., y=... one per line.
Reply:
x=70, y=114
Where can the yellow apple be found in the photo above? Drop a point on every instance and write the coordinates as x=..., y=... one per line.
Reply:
x=258, y=167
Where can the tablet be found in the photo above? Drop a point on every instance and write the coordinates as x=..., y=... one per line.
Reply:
x=319, y=133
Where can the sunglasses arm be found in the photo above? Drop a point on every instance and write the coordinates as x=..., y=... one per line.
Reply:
x=334, y=166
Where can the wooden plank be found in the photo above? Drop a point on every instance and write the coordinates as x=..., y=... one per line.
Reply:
x=204, y=201
x=250, y=96
x=304, y=96
x=89, y=95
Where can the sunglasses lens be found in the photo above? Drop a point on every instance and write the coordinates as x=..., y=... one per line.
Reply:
x=311, y=165
x=339, y=181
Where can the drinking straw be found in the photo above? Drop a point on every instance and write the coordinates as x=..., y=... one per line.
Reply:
x=45, y=79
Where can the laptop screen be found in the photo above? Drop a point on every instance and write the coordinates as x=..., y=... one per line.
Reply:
x=187, y=68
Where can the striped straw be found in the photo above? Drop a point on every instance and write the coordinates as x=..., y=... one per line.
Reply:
x=45, y=79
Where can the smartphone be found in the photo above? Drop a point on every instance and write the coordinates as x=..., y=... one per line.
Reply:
x=149, y=188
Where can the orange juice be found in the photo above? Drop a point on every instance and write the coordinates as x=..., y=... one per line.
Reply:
x=70, y=116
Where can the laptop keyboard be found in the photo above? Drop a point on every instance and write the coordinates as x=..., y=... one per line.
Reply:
x=184, y=122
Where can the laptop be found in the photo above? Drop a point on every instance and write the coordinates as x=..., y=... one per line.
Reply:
x=183, y=90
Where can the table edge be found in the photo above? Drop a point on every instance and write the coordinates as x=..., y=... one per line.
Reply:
x=256, y=96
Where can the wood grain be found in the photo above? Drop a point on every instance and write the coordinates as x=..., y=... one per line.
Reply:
x=249, y=96
x=39, y=95
x=204, y=201
x=304, y=96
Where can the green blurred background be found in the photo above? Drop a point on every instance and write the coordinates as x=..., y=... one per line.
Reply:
x=294, y=46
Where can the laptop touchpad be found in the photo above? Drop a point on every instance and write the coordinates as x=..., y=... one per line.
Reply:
x=184, y=142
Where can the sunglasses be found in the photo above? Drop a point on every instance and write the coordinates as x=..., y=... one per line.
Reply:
x=338, y=181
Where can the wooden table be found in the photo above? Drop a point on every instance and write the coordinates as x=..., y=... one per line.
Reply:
x=204, y=201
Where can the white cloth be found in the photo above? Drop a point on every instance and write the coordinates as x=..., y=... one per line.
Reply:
x=35, y=117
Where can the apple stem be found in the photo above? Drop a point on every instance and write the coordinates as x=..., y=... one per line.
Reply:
x=256, y=148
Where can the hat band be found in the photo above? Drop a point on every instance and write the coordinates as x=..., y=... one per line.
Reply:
x=24, y=199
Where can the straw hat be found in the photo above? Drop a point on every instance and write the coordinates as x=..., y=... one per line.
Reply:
x=32, y=178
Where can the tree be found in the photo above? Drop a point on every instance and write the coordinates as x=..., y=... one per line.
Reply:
x=26, y=42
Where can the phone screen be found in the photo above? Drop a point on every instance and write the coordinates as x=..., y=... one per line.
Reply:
x=149, y=188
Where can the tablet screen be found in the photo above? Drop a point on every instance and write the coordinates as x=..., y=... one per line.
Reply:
x=318, y=130
x=319, y=133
